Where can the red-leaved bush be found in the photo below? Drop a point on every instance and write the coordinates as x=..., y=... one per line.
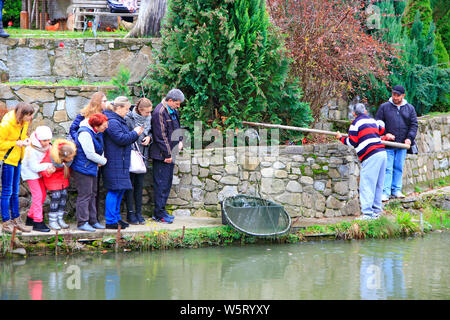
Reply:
x=332, y=53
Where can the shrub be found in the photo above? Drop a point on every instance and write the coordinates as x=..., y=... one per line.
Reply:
x=11, y=12
x=329, y=46
x=230, y=63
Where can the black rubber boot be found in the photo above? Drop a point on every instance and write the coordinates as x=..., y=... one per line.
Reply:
x=29, y=222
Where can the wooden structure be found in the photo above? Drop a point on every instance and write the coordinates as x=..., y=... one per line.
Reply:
x=96, y=8
x=34, y=13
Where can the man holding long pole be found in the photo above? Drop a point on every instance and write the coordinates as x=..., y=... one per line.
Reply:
x=364, y=135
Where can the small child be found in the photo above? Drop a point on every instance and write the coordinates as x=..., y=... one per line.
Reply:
x=31, y=168
x=56, y=180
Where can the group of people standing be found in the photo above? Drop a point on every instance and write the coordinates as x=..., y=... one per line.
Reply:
x=100, y=143
x=104, y=133
x=381, y=167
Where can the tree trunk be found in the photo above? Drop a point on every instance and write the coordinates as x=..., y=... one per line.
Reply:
x=148, y=23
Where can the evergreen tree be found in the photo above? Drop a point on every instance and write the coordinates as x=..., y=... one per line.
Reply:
x=414, y=64
x=425, y=82
x=423, y=7
x=229, y=61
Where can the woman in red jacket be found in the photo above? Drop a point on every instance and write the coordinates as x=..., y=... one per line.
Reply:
x=56, y=179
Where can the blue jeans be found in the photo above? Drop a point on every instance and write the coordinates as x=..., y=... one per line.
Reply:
x=10, y=191
x=371, y=181
x=112, y=206
x=162, y=182
x=394, y=171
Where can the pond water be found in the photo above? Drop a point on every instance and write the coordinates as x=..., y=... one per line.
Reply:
x=413, y=268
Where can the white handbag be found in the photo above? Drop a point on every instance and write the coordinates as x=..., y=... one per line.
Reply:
x=137, y=164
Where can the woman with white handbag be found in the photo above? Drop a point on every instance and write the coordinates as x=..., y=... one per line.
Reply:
x=117, y=139
x=140, y=116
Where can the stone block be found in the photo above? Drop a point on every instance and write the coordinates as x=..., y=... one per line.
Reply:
x=334, y=203
x=211, y=185
x=307, y=180
x=294, y=186
x=48, y=109
x=30, y=95
x=231, y=169
x=281, y=174
x=341, y=187
x=60, y=116
x=227, y=191
x=211, y=198
x=182, y=213
x=229, y=180
x=28, y=63
x=272, y=186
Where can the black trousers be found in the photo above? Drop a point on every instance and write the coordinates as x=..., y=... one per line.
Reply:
x=162, y=182
x=134, y=196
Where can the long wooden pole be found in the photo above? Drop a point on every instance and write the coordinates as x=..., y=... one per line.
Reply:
x=331, y=133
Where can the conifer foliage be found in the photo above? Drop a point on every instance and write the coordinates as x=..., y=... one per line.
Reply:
x=229, y=61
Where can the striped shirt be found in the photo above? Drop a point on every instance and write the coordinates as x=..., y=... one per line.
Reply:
x=364, y=135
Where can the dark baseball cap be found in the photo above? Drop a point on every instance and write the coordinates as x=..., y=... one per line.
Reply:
x=398, y=89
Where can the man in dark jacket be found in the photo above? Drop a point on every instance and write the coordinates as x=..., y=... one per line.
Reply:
x=401, y=125
x=165, y=120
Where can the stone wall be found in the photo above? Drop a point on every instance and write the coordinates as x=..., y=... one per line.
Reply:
x=432, y=161
x=312, y=180
x=92, y=60
x=56, y=106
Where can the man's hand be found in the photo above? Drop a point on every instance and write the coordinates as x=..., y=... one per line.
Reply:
x=408, y=142
x=338, y=135
x=390, y=136
x=168, y=160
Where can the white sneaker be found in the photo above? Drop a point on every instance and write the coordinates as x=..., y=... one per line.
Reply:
x=384, y=198
x=399, y=195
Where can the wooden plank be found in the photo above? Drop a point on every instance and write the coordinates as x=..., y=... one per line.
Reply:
x=112, y=14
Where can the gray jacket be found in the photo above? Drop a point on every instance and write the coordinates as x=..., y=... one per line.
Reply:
x=134, y=120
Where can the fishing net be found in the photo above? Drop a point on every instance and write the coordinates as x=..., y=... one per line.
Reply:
x=255, y=216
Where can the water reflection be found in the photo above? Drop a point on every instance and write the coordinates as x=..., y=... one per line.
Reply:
x=372, y=269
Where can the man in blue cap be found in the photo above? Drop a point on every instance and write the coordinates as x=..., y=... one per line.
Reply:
x=401, y=125
x=3, y=34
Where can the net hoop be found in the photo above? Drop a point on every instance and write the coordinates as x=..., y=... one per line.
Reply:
x=237, y=227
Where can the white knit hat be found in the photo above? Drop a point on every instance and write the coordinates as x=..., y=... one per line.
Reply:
x=43, y=133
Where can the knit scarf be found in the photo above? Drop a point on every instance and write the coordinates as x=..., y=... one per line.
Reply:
x=141, y=121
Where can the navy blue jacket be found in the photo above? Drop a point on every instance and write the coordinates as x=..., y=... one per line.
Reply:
x=81, y=163
x=394, y=123
x=75, y=126
x=163, y=126
x=117, y=139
